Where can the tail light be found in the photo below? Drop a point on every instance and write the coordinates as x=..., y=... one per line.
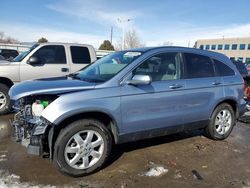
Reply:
x=247, y=92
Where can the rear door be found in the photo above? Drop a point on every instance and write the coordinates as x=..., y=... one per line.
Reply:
x=53, y=63
x=80, y=57
x=203, y=88
x=159, y=104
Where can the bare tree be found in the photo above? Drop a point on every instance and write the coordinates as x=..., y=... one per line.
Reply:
x=1, y=35
x=131, y=40
x=7, y=39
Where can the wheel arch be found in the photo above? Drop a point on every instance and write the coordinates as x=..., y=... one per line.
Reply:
x=6, y=81
x=103, y=117
x=232, y=102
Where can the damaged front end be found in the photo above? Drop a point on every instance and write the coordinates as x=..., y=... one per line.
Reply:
x=30, y=128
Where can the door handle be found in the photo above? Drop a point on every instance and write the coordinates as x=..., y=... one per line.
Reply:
x=175, y=86
x=64, y=69
x=215, y=83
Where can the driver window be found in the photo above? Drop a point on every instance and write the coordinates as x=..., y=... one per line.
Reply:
x=161, y=67
x=51, y=54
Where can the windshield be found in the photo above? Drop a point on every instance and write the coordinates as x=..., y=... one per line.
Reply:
x=106, y=67
x=21, y=56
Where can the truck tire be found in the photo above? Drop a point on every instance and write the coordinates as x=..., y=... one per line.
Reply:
x=221, y=123
x=5, y=105
x=82, y=147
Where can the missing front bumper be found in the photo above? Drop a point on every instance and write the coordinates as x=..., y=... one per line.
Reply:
x=32, y=136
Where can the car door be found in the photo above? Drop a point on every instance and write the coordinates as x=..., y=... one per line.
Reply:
x=52, y=63
x=159, y=104
x=203, y=88
x=80, y=57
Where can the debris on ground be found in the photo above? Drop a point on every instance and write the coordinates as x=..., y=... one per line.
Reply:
x=172, y=163
x=178, y=174
x=196, y=175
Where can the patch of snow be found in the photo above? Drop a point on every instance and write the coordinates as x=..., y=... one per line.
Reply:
x=11, y=180
x=156, y=171
x=237, y=151
x=1, y=160
x=2, y=156
x=177, y=176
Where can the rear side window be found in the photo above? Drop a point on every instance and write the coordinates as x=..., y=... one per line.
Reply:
x=51, y=54
x=223, y=69
x=80, y=55
x=198, y=66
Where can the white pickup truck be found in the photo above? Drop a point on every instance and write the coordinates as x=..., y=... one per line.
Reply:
x=42, y=60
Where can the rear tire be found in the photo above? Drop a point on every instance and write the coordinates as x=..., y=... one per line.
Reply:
x=5, y=104
x=221, y=123
x=73, y=156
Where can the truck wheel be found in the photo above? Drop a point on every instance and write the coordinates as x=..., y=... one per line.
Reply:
x=221, y=123
x=4, y=99
x=82, y=147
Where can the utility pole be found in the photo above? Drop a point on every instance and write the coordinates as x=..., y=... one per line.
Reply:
x=123, y=30
x=111, y=34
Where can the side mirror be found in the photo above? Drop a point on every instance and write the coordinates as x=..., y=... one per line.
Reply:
x=33, y=60
x=140, y=80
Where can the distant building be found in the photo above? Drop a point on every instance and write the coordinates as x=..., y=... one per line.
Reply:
x=234, y=48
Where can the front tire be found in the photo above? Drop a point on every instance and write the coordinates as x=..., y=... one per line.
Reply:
x=82, y=147
x=5, y=105
x=221, y=123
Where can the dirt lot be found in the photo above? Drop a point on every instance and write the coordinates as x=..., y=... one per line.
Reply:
x=219, y=163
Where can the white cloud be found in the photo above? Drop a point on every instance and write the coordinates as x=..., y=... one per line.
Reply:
x=94, y=10
x=183, y=34
x=27, y=33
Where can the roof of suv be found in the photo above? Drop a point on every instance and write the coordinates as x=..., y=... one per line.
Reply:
x=211, y=53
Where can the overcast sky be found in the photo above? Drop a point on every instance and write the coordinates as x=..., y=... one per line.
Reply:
x=156, y=22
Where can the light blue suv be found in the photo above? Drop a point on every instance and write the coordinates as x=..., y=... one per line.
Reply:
x=127, y=96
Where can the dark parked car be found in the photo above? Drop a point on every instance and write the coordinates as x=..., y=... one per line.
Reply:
x=244, y=73
x=127, y=96
x=2, y=58
x=8, y=54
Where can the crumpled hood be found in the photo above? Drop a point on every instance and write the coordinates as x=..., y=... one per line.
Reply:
x=55, y=85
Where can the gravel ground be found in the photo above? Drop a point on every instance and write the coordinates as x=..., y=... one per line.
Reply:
x=181, y=160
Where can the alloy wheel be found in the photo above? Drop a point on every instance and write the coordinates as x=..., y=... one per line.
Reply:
x=3, y=100
x=223, y=121
x=84, y=149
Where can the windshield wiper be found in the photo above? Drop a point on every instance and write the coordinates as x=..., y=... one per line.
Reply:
x=92, y=79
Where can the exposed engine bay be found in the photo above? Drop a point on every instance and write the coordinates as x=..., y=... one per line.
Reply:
x=30, y=129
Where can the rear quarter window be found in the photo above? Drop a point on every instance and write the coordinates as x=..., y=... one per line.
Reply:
x=241, y=68
x=223, y=69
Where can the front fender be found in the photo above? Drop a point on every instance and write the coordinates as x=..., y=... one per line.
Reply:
x=76, y=103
